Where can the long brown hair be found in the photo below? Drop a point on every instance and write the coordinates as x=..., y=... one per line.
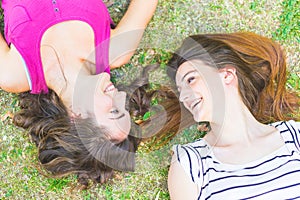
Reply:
x=70, y=146
x=261, y=70
x=78, y=146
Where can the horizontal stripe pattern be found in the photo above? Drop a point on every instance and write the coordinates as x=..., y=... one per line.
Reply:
x=275, y=176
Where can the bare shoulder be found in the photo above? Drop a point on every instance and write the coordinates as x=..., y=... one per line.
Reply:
x=13, y=76
x=179, y=184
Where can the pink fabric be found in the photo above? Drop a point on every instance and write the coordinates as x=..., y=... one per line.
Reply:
x=27, y=20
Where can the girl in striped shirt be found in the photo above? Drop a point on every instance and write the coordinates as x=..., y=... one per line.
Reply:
x=236, y=83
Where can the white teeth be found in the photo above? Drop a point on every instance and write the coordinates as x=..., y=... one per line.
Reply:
x=109, y=88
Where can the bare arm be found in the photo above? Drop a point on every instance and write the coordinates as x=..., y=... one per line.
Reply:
x=126, y=37
x=179, y=185
x=12, y=74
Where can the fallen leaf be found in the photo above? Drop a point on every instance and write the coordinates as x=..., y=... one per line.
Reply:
x=8, y=114
x=118, y=177
x=138, y=122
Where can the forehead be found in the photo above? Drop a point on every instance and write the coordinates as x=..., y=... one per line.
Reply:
x=198, y=67
x=185, y=67
x=189, y=66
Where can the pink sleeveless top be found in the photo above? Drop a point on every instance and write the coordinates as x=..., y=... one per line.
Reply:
x=27, y=20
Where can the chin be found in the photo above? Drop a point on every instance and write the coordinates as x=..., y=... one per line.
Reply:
x=120, y=137
x=199, y=118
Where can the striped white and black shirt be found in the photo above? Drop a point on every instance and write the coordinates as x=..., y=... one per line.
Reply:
x=275, y=176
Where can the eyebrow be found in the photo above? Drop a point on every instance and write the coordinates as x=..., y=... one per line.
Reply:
x=187, y=74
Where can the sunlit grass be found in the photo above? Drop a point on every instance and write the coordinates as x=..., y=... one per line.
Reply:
x=20, y=174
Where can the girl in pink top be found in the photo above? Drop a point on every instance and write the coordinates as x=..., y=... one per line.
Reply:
x=58, y=54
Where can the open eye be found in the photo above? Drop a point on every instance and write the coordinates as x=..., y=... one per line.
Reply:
x=190, y=79
x=114, y=111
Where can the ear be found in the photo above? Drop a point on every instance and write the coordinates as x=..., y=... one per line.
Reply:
x=228, y=75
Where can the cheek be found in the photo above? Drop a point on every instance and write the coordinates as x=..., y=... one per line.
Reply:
x=123, y=124
x=120, y=129
x=103, y=104
x=202, y=88
x=196, y=90
x=102, y=110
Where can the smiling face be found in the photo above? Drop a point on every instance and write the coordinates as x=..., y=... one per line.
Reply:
x=110, y=112
x=194, y=92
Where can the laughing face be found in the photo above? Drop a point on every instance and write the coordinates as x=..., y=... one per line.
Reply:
x=110, y=112
x=194, y=91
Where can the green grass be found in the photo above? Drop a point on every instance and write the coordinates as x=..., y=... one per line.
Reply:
x=289, y=22
x=20, y=175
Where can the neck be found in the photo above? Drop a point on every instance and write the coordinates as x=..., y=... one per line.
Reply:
x=75, y=89
x=237, y=126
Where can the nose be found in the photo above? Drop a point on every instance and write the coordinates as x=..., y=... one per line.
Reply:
x=119, y=99
x=184, y=94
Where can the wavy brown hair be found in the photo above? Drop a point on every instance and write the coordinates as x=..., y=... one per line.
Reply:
x=78, y=146
x=68, y=146
x=261, y=70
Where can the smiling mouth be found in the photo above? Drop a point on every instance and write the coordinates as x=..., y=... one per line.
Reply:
x=109, y=88
x=195, y=103
x=119, y=117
